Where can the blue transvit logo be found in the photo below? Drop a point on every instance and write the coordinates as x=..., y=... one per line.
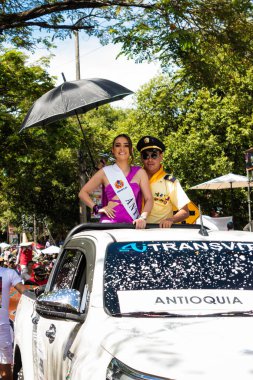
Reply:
x=133, y=247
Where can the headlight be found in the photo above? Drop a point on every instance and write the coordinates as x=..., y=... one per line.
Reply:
x=119, y=371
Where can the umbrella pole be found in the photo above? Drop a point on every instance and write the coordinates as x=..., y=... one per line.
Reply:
x=232, y=202
x=86, y=143
x=249, y=204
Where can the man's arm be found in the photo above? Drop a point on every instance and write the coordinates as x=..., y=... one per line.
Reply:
x=20, y=288
x=181, y=215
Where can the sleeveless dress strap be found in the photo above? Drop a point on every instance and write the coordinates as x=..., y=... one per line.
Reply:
x=133, y=171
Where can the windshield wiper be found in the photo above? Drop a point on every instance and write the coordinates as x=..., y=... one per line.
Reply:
x=246, y=313
x=139, y=314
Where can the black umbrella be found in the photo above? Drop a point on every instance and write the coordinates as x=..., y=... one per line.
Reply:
x=73, y=98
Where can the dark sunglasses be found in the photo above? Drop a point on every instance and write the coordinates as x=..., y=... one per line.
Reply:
x=147, y=155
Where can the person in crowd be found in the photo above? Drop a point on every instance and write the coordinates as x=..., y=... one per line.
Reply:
x=54, y=258
x=47, y=244
x=166, y=189
x=39, y=276
x=26, y=275
x=124, y=187
x=1, y=261
x=230, y=226
x=12, y=265
x=214, y=213
x=7, y=253
x=8, y=278
x=25, y=255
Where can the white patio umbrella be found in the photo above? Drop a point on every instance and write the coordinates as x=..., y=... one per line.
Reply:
x=228, y=181
x=51, y=250
x=4, y=245
x=26, y=244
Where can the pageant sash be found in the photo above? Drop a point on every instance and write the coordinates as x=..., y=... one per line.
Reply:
x=122, y=189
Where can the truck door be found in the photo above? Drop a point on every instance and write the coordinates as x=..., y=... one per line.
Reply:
x=54, y=336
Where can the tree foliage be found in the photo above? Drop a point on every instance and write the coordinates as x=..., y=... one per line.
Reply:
x=35, y=165
x=204, y=37
x=205, y=134
x=20, y=20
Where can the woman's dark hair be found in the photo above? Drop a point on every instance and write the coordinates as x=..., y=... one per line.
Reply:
x=129, y=143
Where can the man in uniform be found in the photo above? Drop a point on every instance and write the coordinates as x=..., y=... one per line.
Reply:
x=166, y=189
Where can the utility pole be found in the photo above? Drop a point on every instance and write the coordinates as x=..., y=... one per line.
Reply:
x=77, y=54
x=82, y=165
x=249, y=168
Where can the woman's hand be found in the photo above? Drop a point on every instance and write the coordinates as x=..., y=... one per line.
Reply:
x=108, y=210
x=140, y=223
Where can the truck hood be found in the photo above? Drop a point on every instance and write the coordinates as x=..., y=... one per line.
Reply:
x=184, y=348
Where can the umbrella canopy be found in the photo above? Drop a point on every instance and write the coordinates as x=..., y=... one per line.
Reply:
x=26, y=244
x=52, y=249
x=73, y=98
x=4, y=245
x=227, y=181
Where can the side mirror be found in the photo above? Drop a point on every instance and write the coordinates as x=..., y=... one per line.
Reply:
x=62, y=300
x=40, y=290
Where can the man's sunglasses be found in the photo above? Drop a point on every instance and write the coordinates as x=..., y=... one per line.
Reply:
x=147, y=155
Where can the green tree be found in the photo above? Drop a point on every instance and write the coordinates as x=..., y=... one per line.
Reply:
x=38, y=168
x=206, y=135
x=201, y=36
x=101, y=126
x=20, y=21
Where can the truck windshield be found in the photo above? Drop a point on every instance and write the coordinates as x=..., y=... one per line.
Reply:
x=176, y=274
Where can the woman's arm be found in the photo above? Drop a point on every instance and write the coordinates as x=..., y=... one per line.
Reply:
x=148, y=200
x=146, y=192
x=96, y=180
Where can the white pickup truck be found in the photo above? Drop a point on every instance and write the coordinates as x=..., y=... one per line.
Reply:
x=152, y=304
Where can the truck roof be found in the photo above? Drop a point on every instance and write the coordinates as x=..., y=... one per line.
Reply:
x=124, y=233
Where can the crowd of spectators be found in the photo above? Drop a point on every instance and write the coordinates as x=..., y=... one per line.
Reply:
x=20, y=265
x=29, y=262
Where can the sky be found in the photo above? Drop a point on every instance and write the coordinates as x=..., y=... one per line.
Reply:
x=97, y=61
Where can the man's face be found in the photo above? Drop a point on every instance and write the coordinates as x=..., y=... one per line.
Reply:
x=30, y=266
x=151, y=160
